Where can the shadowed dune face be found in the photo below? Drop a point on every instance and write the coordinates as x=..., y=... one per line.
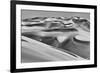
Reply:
x=60, y=33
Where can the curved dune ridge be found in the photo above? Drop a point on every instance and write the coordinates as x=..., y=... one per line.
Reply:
x=51, y=39
x=46, y=52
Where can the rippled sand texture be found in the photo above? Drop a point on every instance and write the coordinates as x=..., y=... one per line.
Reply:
x=47, y=39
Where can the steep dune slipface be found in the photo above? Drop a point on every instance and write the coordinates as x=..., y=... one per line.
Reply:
x=67, y=35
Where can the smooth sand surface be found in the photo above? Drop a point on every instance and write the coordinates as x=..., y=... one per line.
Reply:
x=34, y=51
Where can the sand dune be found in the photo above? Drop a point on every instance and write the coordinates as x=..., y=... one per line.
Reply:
x=55, y=39
x=38, y=51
